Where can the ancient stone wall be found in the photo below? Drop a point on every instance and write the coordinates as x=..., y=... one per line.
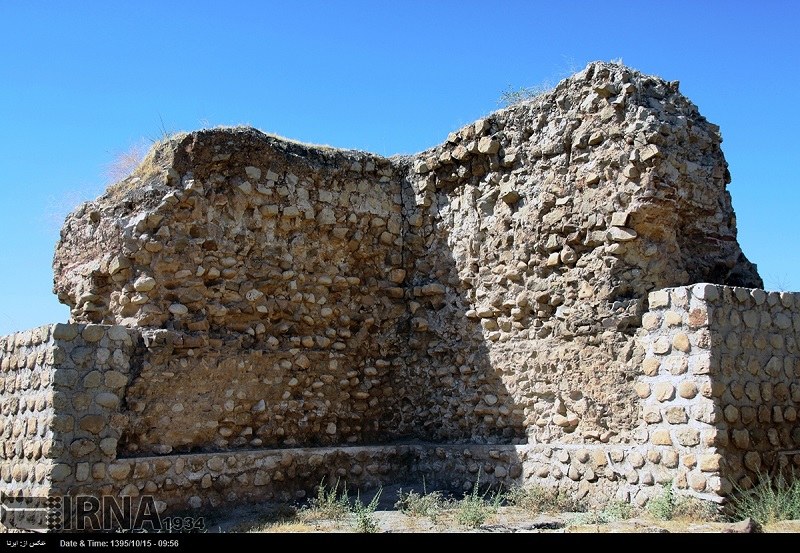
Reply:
x=717, y=400
x=274, y=271
x=487, y=290
x=524, y=288
x=534, y=238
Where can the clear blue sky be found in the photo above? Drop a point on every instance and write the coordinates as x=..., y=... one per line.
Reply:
x=81, y=82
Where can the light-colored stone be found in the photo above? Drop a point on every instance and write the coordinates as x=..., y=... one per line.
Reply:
x=642, y=389
x=664, y=391
x=650, y=321
x=697, y=481
x=710, y=463
x=675, y=415
x=488, y=145
x=650, y=366
x=681, y=342
x=659, y=298
x=688, y=437
x=661, y=436
x=144, y=284
x=178, y=309
x=119, y=471
x=687, y=389
x=621, y=234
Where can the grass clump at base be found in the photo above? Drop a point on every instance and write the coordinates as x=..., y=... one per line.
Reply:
x=426, y=504
x=614, y=511
x=538, y=499
x=473, y=509
x=329, y=503
x=668, y=506
x=662, y=506
x=364, y=514
x=771, y=500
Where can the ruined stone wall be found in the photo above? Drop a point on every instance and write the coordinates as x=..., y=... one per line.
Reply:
x=487, y=290
x=535, y=236
x=524, y=287
x=716, y=404
x=273, y=272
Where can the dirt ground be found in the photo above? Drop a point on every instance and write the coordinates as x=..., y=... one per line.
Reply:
x=274, y=518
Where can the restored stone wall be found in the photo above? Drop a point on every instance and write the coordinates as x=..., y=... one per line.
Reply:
x=64, y=388
x=720, y=385
x=26, y=411
x=93, y=365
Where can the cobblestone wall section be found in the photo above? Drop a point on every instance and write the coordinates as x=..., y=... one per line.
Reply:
x=211, y=479
x=92, y=369
x=524, y=283
x=26, y=411
x=718, y=385
x=756, y=346
x=485, y=290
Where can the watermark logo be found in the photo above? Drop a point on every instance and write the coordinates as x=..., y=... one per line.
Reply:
x=89, y=513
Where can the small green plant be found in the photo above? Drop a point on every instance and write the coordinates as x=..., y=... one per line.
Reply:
x=426, y=504
x=589, y=517
x=329, y=503
x=617, y=510
x=613, y=511
x=538, y=499
x=771, y=500
x=473, y=509
x=511, y=96
x=364, y=515
x=662, y=506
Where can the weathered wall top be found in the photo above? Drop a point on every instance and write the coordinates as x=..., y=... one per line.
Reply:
x=486, y=289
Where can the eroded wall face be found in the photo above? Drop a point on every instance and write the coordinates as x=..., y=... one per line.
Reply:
x=717, y=401
x=536, y=235
x=486, y=290
x=275, y=280
x=193, y=400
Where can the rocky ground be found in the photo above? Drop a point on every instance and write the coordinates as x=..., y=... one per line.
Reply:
x=507, y=520
x=274, y=518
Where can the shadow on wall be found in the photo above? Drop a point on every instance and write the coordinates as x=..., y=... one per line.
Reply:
x=330, y=313
x=454, y=391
